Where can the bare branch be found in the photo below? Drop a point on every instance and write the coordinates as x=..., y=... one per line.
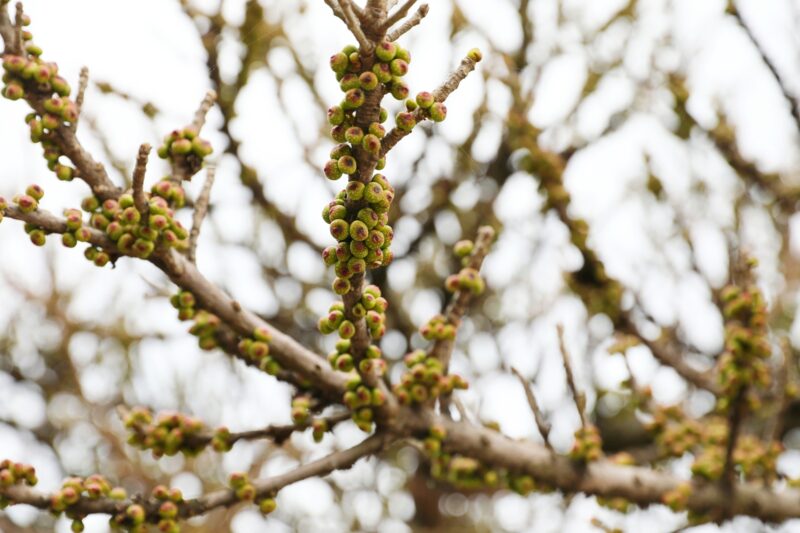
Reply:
x=83, y=82
x=440, y=95
x=223, y=498
x=580, y=399
x=794, y=105
x=541, y=423
x=420, y=14
x=354, y=25
x=202, y=111
x=395, y=17
x=139, y=199
x=200, y=210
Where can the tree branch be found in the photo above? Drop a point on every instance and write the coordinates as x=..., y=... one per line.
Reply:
x=200, y=210
x=541, y=423
x=420, y=14
x=440, y=95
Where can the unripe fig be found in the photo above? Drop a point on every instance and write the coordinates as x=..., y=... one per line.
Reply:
x=425, y=99
x=386, y=51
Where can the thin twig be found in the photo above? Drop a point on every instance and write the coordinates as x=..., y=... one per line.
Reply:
x=337, y=10
x=541, y=423
x=354, y=25
x=18, y=20
x=410, y=23
x=200, y=210
x=202, y=111
x=83, y=82
x=139, y=199
x=398, y=15
x=785, y=378
x=580, y=399
x=794, y=105
x=264, y=488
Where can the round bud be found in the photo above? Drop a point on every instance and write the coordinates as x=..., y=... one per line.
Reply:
x=181, y=147
x=341, y=286
x=339, y=62
x=405, y=121
x=368, y=81
x=339, y=229
x=332, y=171
x=386, y=51
x=35, y=191
x=349, y=81
x=377, y=130
x=399, y=89
x=475, y=55
x=347, y=164
x=353, y=99
x=359, y=231
x=438, y=112
x=399, y=67
x=355, y=191
x=371, y=144
x=354, y=135
x=425, y=99
x=383, y=72
x=335, y=115
x=64, y=172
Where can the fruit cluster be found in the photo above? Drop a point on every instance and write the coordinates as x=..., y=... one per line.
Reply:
x=361, y=400
x=438, y=329
x=358, y=220
x=587, y=446
x=28, y=75
x=425, y=380
x=747, y=346
x=168, y=434
x=135, y=233
x=168, y=510
x=467, y=280
x=245, y=491
x=256, y=349
x=185, y=149
x=16, y=473
x=74, y=489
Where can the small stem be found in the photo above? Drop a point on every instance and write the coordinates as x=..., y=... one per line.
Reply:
x=354, y=26
x=202, y=111
x=415, y=19
x=541, y=423
x=395, y=17
x=580, y=399
x=200, y=210
x=83, y=82
x=139, y=198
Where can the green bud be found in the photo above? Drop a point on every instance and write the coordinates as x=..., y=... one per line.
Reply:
x=386, y=51
x=438, y=112
x=335, y=115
